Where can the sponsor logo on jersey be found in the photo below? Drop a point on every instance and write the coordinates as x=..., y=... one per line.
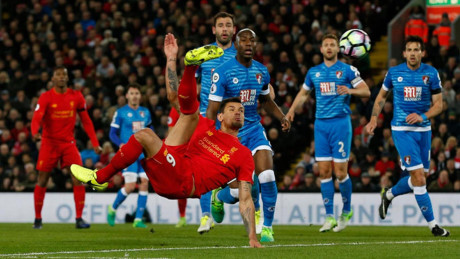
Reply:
x=235, y=80
x=339, y=74
x=407, y=160
x=426, y=79
x=248, y=96
x=259, y=78
x=225, y=158
x=327, y=88
x=137, y=125
x=215, y=77
x=412, y=93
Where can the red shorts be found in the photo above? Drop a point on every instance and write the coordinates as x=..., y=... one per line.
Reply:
x=52, y=152
x=169, y=172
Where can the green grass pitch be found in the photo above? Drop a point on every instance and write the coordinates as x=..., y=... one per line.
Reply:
x=224, y=241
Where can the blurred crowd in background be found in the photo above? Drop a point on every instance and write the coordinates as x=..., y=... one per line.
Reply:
x=107, y=44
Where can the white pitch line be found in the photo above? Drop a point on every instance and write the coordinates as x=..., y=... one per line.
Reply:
x=227, y=247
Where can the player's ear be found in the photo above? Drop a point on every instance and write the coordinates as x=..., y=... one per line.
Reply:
x=220, y=117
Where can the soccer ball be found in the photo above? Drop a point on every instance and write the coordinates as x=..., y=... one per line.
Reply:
x=355, y=43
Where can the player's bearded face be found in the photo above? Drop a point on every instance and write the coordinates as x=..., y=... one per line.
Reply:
x=233, y=116
x=224, y=30
x=60, y=77
x=413, y=54
x=329, y=49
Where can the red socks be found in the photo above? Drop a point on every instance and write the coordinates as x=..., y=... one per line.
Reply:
x=39, y=196
x=187, y=91
x=79, y=197
x=125, y=156
x=182, y=206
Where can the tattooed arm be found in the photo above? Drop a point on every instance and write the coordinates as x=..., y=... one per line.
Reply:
x=172, y=82
x=247, y=212
x=378, y=106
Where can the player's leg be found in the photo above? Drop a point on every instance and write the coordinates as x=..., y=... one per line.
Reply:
x=341, y=145
x=182, y=204
x=141, y=199
x=39, y=197
x=130, y=179
x=47, y=160
x=269, y=191
x=71, y=155
x=405, y=143
x=323, y=154
x=206, y=221
x=142, y=141
x=418, y=179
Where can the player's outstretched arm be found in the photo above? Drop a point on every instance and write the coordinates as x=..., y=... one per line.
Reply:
x=247, y=212
x=172, y=82
x=378, y=106
x=273, y=109
x=299, y=100
x=435, y=110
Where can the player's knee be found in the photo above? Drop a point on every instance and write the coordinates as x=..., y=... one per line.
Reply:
x=129, y=187
x=146, y=136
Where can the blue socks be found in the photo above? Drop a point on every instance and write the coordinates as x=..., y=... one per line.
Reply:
x=403, y=186
x=327, y=191
x=121, y=197
x=205, y=203
x=269, y=195
x=424, y=202
x=141, y=203
x=225, y=196
x=345, y=187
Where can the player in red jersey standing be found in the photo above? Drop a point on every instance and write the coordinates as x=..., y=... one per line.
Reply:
x=56, y=113
x=195, y=157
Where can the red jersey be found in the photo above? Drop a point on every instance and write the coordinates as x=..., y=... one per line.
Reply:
x=217, y=157
x=173, y=117
x=56, y=114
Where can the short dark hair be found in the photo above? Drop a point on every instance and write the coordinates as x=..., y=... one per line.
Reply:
x=59, y=68
x=228, y=100
x=330, y=36
x=223, y=15
x=133, y=85
x=413, y=38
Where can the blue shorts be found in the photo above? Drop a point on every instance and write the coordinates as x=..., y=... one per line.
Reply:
x=136, y=167
x=255, y=139
x=414, y=149
x=333, y=139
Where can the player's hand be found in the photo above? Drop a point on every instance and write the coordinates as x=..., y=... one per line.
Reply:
x=170, y=46
x=285, y=124
x=343, y=90
x=98, y=150
x=414, y=118
x=37, y=137
x=370, y=127
x=290, y=116
x=254, y=243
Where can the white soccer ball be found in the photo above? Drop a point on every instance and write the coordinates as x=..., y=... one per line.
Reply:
x=355, y=43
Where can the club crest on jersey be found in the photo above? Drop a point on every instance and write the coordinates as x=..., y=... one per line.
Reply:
x=141, y=114
x=407, y=160
x=259, y=78
x=425, y=79
x=412, y=93
x=339, y=74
